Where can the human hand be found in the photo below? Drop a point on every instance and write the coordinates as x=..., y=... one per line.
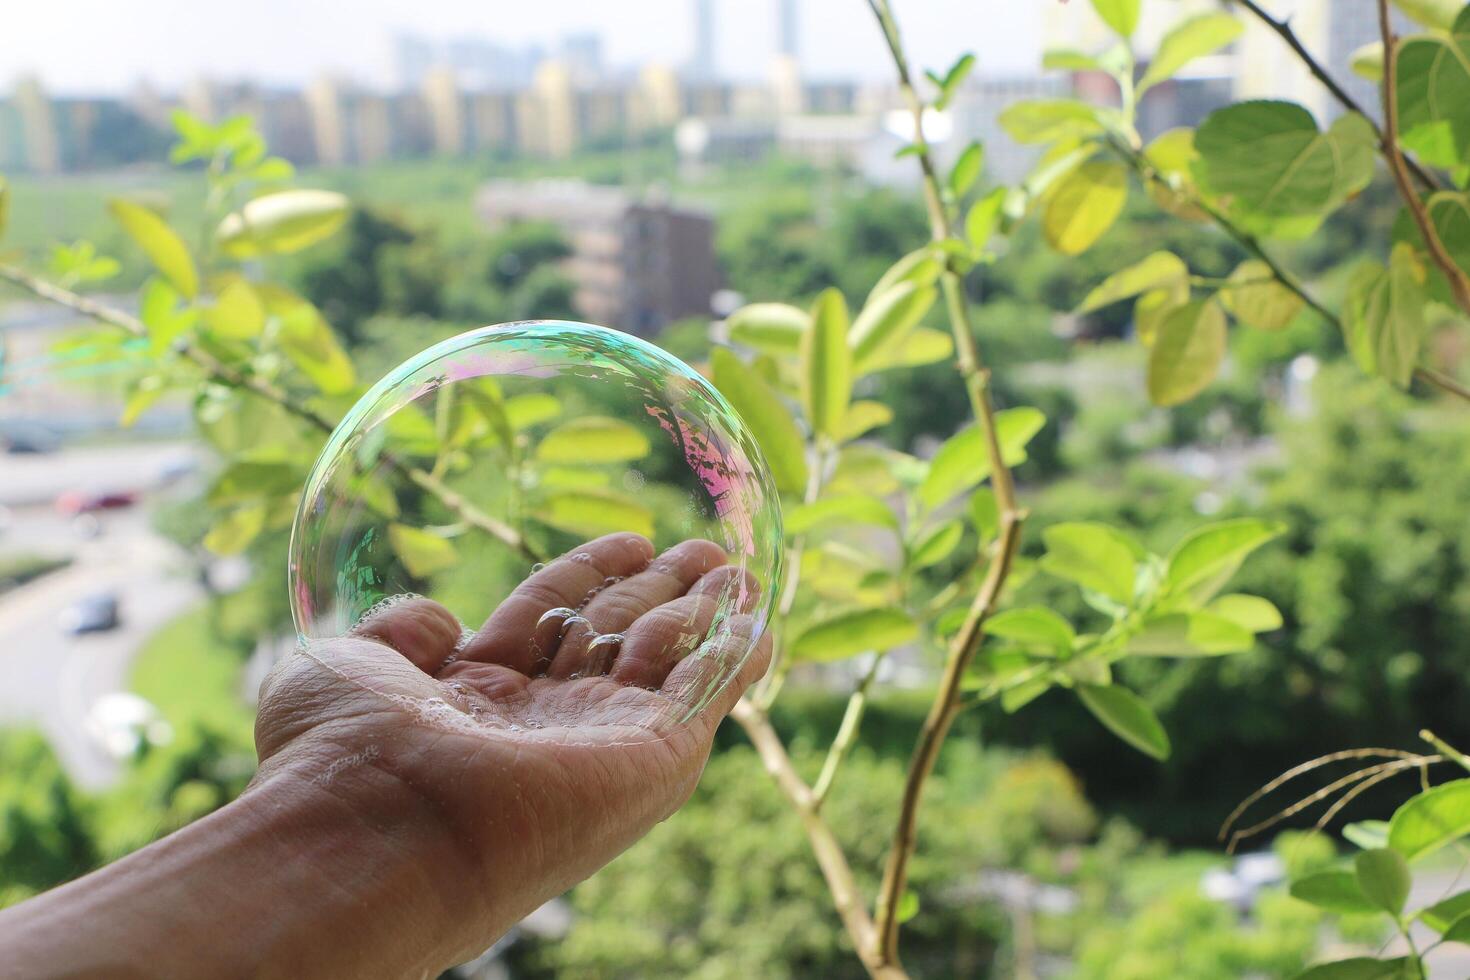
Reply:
x=527, y=763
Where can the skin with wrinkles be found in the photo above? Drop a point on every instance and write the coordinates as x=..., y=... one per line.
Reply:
x=417, y=795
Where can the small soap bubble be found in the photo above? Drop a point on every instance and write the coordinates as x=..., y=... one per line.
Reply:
x=609, y=430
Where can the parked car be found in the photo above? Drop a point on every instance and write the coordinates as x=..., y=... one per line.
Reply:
x=28, y=439
x=94, y=614
x=76, y=502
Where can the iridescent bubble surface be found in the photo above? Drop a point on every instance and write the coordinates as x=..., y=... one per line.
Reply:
x=487, y=463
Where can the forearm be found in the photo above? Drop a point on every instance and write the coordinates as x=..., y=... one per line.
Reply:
x=291, y=880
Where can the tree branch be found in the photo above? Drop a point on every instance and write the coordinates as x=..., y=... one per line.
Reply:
x=946, y=704
x=1459, y=281
x=232, y=377
x=1319, y=71
x=847, y=732
x=828, y=850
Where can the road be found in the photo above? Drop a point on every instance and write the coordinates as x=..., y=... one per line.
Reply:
x=48, y=678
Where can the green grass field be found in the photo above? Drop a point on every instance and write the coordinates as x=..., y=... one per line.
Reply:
x=193, y=676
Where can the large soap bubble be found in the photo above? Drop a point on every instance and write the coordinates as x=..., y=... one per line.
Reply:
x=486, y=472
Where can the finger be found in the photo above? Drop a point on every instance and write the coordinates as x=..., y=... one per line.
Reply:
x=708, y=683
x=665, y=635
x=618, y=606
x=418, y=628
x=511, y=637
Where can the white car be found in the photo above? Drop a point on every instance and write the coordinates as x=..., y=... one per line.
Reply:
x=122, y=723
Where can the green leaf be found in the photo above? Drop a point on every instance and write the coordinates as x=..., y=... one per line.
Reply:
x=843, y=510
x=593, y=439
x=308, y=341
x=1187, y=352
x=983, y=217
x=826, y=364
x=921, y=267
x=967, y=169
x=281, y=222
x=1384, y=878
x=1257, y=299
x=772, y=328
x=1431, y=819
x=1013, y=699
x=950, y=83
x=1127, y=716
x=1172, y=155
x=592, y=512
x=1435, y=14
x=936, y=544
x=422, y=553
x=1194, y=38
x=158, y=308
x=1092, y=555
x=1066, y=60
x=233, y=533
x=885, y=320
x=908, y=906
x=1120, y=15
x=963, y=461
x=164, y=248
x=1459, y=931
x=1383, y=315
x=1334, y=890
x=1370, y=834
x=922, y=346
x=1367, y=62
x=1270, y=159
x=141, y=396
x=1048, y=120
x=1444, y=913
x=1084, y=205
x=1159, y=270
x=1449, y=214
x=1211, y=554
x=1433, y=76
x=1196, y=634
x=984, y=514
x=1035, y=628
x=766, y=414
x=849, y=634
x=1249, y=612
x=246, y=481
x=237, y=313
x=524, y=411
x=861, y=418
x=1154, y=307
x=1361, y=968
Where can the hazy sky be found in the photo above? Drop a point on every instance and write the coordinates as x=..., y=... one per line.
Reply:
x=93, y=46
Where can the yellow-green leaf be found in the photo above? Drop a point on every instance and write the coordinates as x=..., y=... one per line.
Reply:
x=164, y=248
x=593, y=512
x=422, y=553
x=1367, y=62
x=285, y=221
x=1250, y=612
x=308, y=341
x=1084, y=205
x=1334, y=890
x=1196, y=634
x=1187, y=352
x=1093, y=555
x=237, y=312
x=826, y=364
x=1257, y=299
x=964, y=458
x=1431, y=819
x=233, y=533
x=1384, y=878
x=773, y=328
x=841, y=510
x=761, y=407
x=849, y=634
x=921, y=267
x=1034, y=627
x=1049, y=120
x=1172, y=156
x=936, y=544
x=141, y=397
x=983, y=217
x=593, y=439
x=1120, y=15
x=885, y=321
x=1212, y=553
x=1127, y=716
x=861, y=418
x=1159, y=270
x=1194, y=38
x=967, y=169
x=1433, y=76
x=1383, y=316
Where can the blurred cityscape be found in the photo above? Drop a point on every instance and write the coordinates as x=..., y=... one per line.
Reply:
x=475, y=95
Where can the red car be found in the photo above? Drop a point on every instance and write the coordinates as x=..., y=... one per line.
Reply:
x=75, y=502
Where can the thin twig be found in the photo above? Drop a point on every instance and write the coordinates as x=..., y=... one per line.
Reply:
x=852, y=719
x=946, y=704
x=1301, y=770
x=232, y=377
x=1398, y=765
x=1459, y=281
x=1319, y=71
x=1442, y=381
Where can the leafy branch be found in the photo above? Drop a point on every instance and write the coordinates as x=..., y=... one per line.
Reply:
x=231, y=377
